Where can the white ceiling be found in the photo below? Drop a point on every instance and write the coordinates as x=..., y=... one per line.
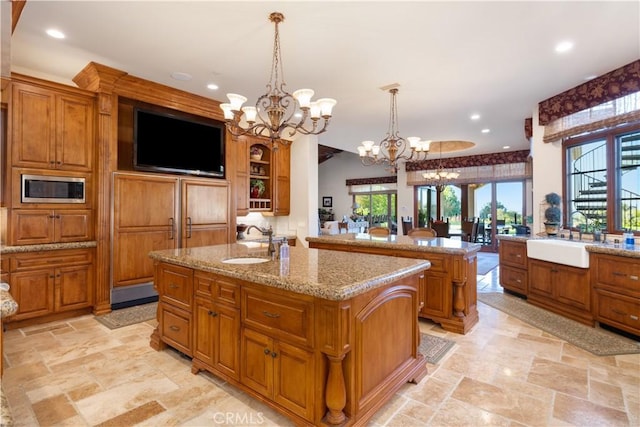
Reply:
x=450, y=58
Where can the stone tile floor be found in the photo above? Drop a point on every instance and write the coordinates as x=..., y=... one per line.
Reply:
x=504, y=373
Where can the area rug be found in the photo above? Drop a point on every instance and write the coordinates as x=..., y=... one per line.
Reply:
x=434, y=348
x=486, y=263
x=128, y=316
x=594, y=340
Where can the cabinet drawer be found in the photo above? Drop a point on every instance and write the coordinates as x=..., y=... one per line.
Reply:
x=622, y=273
x=618, y=310
x=513, y=253
x=222, y=290
x=227, y=292
x=31, y=260
x=437, y=262
x=176, y=328
x=513, y=278
x=278, y=315
x=176, y=285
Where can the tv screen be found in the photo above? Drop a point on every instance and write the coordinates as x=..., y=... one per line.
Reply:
x=175, y=144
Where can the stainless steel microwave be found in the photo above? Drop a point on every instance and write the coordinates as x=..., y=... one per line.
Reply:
x=52, y=189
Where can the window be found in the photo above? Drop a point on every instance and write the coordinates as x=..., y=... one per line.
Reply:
x=603, y=180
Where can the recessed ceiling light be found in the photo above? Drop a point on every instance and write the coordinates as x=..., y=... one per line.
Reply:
x=212, y=86
x=506, y=147
x=564, y=46
x=485, y=130
x=177, y=75
x=475, y=117
x=56, y=34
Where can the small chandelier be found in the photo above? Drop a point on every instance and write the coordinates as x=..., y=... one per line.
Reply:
x=275, y=111
x=392, y=149
x=440, y=176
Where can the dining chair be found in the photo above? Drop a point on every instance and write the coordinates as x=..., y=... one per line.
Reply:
x=407, y=225
x=379, y=231
x=343, y=226
x=441, y=227
x=469, y=231
x=422, y=232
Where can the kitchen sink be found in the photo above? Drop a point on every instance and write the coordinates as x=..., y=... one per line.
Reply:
x=245, y=260
x=567, y=252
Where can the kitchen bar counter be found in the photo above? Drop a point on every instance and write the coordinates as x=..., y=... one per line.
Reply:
x=326, y=338
x=448, y=292
x=320, y=273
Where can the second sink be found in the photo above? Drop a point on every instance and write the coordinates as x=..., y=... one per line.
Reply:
x=565, y=252
x=245, y=260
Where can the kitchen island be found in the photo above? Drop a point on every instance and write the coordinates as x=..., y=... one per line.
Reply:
x=448, y=293
x=323, y=338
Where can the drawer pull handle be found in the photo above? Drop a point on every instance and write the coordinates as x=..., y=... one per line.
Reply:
x=174, y=328
x=267, y=351
x=518, y=256
x=616, y=311
x=617, y=273
x=633, y=317
x=212, y=313
x=271, y=315
x=518, y=281
x=173, y=286
x=633, y=277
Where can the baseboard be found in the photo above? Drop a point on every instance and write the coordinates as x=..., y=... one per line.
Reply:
x=134, y=302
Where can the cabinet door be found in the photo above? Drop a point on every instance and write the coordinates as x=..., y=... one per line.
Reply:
x=73, y=225
x=437, y=292
x=205, y=213
x=74, y=132
x=540, y=278
x=145, y=219
x=32, y=226
x=33, y=291
x=227, y=343
x=73, y=287
x=257, y=363
x=282, y=181
x=33, y=127
x=572, y=287
x=241, y=183
x=204, y=334
x=294, y=383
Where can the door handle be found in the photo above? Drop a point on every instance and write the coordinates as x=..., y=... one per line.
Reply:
x=171, y=230
x=188, y=227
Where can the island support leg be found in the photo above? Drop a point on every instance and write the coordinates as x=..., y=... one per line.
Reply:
x=336, y=391
x=458, y=299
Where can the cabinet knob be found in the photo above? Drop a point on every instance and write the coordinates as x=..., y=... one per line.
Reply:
x=267, y=351
x=212, y=313
x=274, y=354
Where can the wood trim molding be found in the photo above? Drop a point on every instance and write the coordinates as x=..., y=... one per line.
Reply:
x=378, y=180
x=16, y=11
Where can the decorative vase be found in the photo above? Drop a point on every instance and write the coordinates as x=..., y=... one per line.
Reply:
x=551, y=228
x=256, y=153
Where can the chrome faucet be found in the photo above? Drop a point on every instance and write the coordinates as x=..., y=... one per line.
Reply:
x=586, y=223
x=264, y=231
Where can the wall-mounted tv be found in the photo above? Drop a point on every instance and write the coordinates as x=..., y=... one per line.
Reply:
x=166, y=142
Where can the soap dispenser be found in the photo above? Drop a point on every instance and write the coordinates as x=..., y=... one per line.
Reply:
x=284, y=249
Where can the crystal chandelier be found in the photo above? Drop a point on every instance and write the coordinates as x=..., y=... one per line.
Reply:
x=440, y=176
x=393, y=148
x=276, y=110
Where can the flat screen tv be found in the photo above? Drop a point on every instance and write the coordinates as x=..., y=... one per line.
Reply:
x=164, y=142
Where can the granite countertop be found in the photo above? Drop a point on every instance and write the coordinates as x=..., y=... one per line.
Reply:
x=609, y=248
x=423, y=244
x=325, y=274
x=8, y=305
x=46, y=247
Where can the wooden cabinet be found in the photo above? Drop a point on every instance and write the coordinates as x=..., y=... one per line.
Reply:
x=560, y=288
x=272, y=166
x=153, y=212
x=435, y=293
x=216, y=325
x=240, y=147
x=51, y=128
x=38, y=226
x=279, y=371
x=49, y=282
x=175, y=286
x=513, y=265
x=616, y=291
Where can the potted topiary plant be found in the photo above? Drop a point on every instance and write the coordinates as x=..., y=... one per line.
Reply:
x=552, y=214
